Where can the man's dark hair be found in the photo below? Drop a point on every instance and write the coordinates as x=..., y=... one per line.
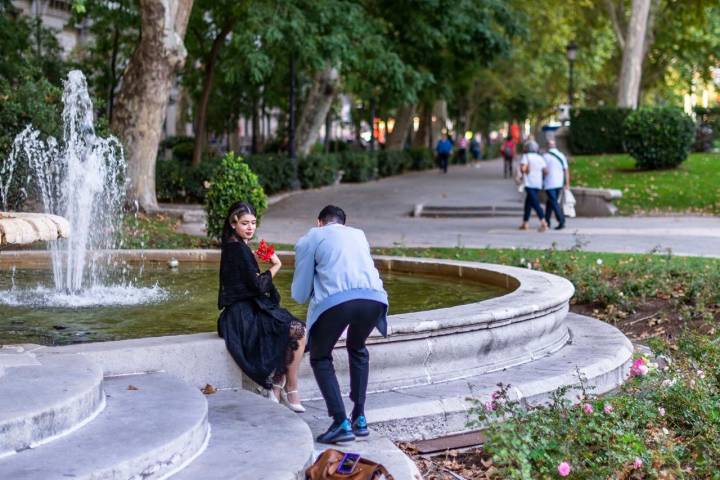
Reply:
x=330, y=214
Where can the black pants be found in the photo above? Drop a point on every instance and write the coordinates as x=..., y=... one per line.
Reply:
x=443, y=161
x=552, y=205
x=360, y=316
x=507, y=167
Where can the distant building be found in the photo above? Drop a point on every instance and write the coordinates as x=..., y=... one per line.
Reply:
x=55, y=15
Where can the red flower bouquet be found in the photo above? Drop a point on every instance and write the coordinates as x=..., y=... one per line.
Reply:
x=265, y=251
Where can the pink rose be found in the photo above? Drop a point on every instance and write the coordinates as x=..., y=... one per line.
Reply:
x=661, y=411
x=639, y=368
x=608, y=409
x=638, y=463
x=587, y=408
x=489, y=406
x=564, y=469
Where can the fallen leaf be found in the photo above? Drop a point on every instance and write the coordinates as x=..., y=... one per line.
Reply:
x=132, y=387
x=208, y=389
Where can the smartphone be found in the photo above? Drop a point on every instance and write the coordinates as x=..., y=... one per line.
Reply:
x=348, y=463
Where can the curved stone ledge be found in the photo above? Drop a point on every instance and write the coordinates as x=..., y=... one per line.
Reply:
x=423, y=347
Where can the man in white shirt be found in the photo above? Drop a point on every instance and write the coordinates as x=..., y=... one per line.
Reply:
x=533, y=167
x=558, y=176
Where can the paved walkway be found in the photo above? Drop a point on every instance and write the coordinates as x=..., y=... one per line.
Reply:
x=382, y=208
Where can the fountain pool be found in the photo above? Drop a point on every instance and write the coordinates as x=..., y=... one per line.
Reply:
x=174, y=302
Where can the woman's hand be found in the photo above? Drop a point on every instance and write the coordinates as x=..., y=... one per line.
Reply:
x=275, y=264
x=275, y=260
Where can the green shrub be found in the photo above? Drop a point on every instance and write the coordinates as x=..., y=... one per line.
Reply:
x=662, y=423
x=658, y=137
x=597, y=130
x=274, y=170
x=393, y=162
x=233, y=182
x=317, y=170
x=421, y=158
x=358, y=166
x=179, y=181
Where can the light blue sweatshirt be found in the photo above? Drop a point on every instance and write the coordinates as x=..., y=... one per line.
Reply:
x=333, y=265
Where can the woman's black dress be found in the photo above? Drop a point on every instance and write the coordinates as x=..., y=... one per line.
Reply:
x=259, y=334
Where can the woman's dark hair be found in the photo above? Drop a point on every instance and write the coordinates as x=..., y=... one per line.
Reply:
x=236, y=210
x=330, y=214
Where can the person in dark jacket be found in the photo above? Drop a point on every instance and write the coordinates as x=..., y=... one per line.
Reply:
x=266, y=341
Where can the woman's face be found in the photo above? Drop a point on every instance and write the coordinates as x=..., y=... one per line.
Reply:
x=245, y=226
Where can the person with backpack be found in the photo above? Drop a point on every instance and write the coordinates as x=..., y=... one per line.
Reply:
x=507, y=150
x=558, y=176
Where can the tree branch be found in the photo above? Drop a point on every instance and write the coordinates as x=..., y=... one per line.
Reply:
x=616, y=23
x=650, y=32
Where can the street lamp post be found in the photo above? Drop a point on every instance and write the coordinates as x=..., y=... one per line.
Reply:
x=571, y=51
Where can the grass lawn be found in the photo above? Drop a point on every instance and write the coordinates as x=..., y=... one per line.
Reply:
x=692, y=187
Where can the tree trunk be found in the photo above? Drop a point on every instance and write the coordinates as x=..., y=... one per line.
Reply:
x=255, y=119
x=143, y=98
x=633, y=55
x=422, y=136
x=208, y=78
x=403, y=124
x=317, y=106
x=113, y=73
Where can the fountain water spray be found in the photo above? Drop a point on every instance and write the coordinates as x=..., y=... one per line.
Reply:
x=82, y=179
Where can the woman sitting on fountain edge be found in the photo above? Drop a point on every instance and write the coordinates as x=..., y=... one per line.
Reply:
x=265, y=340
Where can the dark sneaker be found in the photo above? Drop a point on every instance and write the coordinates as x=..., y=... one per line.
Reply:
x=360, y=427
x=560, y=227
x=337, y=433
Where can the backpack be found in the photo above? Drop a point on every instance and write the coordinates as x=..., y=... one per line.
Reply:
x=508, y=151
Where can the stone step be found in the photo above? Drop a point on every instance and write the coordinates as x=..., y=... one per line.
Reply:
x=600, y=352
x=44, y=396
x=252, y=439
x=153, y=425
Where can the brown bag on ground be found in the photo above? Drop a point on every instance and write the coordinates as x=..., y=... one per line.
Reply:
x=325, y=468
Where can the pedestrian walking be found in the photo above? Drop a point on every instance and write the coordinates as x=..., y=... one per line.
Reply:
x=507, y=150
x=533, y=167
x=462, y=145
x=475, y=150
x=557, y=178
x=444, y=149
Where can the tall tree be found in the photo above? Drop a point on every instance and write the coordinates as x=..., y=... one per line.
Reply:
x=633, y=45
x=143, y=97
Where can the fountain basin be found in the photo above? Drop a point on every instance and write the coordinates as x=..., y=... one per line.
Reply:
x=431, y=362
x=422, y=347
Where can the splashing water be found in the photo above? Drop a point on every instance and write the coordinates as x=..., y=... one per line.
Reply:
x=82, y=179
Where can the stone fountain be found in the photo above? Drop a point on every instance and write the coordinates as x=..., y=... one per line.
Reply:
x=18, y=228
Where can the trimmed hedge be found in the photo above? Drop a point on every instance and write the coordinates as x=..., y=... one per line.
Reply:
x=233, y=182
x=421, y=159
x=317, y=170
x=176, y=180
x=274, y=170
x=358, y=166
x=659, y=137
x=597, y=130
x=393, y=162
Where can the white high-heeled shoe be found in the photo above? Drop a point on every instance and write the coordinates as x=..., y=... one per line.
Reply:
x=271, y=392
x=295, y=407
